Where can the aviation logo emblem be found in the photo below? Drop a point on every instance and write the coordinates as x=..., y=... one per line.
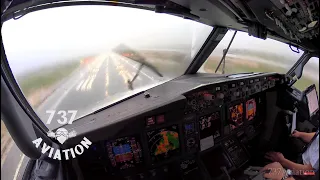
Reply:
x=61, y=135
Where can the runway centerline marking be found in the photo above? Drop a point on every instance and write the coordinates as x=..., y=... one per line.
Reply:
x=89, y=85
x=85, y=83
x=78, y=87
x=94, y=68
x=107, y=77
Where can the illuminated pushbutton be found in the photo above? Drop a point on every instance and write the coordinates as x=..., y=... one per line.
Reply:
x=208, y=97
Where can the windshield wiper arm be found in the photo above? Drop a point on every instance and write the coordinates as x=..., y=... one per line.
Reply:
x=225, y=53
x=135, y=56
x=151, y=67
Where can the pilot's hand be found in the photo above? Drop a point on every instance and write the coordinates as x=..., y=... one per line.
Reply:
x=296, y=134
x=273, y=171
x=275, y=156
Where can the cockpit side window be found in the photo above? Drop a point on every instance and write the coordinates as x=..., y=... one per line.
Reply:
x=310, y=75
x=250, y=54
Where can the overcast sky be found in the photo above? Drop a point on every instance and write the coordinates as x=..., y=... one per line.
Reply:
x=59, y=34
x=244, y=41
x=66, y=33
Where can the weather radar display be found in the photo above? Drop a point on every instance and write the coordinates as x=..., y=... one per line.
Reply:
x=163, y=143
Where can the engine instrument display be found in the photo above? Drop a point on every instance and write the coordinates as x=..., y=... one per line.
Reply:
x=236, y=115
x=124, y=152
x=163, y=143
x=251, y=109
x=210, y=125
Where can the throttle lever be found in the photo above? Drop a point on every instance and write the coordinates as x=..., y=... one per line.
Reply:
x=225, y=172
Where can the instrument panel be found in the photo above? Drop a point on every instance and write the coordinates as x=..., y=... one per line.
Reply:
x=163, y=143
x=168, y=143
x=124, y=152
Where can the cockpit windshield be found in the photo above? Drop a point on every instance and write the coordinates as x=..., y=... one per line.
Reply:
x=249, y=54
x=70, y=61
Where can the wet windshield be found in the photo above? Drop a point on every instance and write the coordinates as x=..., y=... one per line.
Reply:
x=250, y=54
x=72, y=61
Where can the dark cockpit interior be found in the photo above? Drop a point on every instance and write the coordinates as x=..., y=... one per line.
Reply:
x=206, y=127
x=196, y=126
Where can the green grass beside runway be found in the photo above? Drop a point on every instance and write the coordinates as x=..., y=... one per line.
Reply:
x=231, y=67
x=30, y=84
x=45, y=77
x=173, y=64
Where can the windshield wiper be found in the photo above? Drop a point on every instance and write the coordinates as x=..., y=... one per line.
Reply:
x=130, y=82
x=135, y=56
x=225, y=51
x=150, y=66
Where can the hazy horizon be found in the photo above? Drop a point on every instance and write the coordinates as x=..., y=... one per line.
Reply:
x=61, y=34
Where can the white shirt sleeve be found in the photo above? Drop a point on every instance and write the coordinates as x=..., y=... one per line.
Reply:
x=311, y=155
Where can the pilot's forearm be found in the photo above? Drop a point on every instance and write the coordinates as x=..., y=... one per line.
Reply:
x=294, y=166
x=306, y=137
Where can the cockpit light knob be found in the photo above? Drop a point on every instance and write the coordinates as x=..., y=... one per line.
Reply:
x=146, y=94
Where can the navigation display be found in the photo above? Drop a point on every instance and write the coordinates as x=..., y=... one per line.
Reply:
x=163, y=143
x=251, y=109
x=210, y=125
x=235, y=115
x=313, y=103
x=124, y=152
